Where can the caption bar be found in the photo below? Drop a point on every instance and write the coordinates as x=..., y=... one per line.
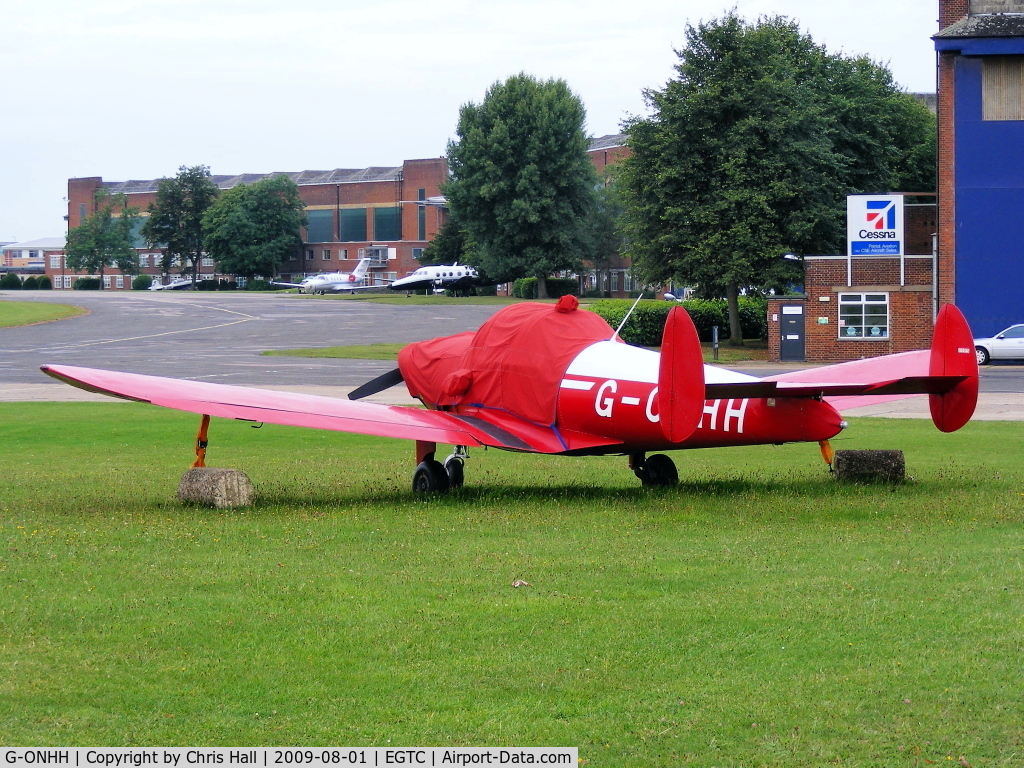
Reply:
x=269, y=757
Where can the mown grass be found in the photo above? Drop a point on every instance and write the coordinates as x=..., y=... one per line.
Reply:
x=754, y=350
x=760, y=614
x=14, y=313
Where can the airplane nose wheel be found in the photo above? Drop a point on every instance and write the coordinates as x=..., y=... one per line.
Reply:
x=454, y=468
x=657, y=471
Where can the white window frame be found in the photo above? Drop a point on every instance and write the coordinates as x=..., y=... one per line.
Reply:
x=327, y=254
x=54, y=262
x=863, y=299
x=119, y=281
x=310, y=255
x=106, y=281
x=67, y=281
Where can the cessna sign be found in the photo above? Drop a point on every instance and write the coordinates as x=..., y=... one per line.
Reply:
x=874, y=225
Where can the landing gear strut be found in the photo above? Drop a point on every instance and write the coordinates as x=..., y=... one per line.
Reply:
x=657, y=471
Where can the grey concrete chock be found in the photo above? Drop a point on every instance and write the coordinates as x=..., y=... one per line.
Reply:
x=215, y=487
x=870, y=466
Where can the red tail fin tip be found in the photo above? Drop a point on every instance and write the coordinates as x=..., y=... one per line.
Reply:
x=680, y=377
x=953, y=355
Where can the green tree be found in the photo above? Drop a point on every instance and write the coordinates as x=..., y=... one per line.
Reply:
x=452, y=244
x=750, y=152
x=521, y=182
x=105, y=239
x=175, y=222
x=251, y=229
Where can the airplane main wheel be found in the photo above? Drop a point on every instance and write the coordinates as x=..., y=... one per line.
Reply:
x=455, y=469
x=430, y=477
x=659, y=471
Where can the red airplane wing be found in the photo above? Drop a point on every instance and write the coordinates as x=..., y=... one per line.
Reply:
x=298, y=410
x=286, y=408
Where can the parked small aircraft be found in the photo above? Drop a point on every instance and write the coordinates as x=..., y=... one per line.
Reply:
x=557, y=380
x=334, y=282
x=177, y=284
x=438, y=276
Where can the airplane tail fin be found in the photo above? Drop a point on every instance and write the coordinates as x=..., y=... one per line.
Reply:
x=680, y=377
x=360, y=271
x=952, y=354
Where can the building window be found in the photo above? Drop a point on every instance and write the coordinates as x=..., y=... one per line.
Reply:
x=321, y=226
x=143, y=259
x=353, y=224
x=1002, y=88
x=362, y=253
x=309, y=254
x=343, y=253
x=67, y=281
x=327, y=254
x=207, y=261
x=81, y=215
x=106, y=281
x=119, y=281
x=864, y=315
x=55, y=262
x=293, y=257
x=615, y=282
x=387, y=223
x=33, y=254
x=240, y=282
x=417, y=253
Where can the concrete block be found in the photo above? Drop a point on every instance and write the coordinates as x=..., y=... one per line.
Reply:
x=214, y=487
x=870, y=466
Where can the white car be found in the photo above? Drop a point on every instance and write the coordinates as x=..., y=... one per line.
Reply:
x=1005, y=345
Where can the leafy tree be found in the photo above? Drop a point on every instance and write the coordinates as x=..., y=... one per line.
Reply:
x=521, y=182
x=751, y=150
x=175, y=222
x=253, y=228
x=10, y=282
x=44, y=283
x=105, y=239
x=30, y=284
x=450, y=245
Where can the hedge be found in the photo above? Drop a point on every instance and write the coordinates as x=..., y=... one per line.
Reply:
x=87, y=284
x=645, y=325
x=44, y=284
x=10, y=282
x=30, y=284
x=142, y=282
x=526, y=287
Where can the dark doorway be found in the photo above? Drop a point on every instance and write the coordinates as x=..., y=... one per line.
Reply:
x=791, y=327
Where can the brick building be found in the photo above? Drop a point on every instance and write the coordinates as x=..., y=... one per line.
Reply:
x=980, y=49
x=386, y=213
x=863, y=305
x=352, y=213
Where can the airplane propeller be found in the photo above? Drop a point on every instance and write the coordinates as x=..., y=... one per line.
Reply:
x=379, y=384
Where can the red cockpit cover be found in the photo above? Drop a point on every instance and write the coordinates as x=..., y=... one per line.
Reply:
x=514, y=362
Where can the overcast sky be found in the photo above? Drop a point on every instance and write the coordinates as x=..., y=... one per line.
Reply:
x=133, y=89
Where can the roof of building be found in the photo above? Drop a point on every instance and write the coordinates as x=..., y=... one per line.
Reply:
x=607, y=142
x=985, y=25
x=301, y=178
x=42, y=244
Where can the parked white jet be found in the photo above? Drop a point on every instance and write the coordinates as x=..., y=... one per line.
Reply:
x=177, y=284
x=438, y=276
x=333, y=281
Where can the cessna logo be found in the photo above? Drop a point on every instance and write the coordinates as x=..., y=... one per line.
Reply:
x=881, y=220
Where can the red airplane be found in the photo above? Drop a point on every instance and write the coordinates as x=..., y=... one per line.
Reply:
x=555, y=379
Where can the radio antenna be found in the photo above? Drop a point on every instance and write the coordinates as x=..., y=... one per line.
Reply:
x=626, y=317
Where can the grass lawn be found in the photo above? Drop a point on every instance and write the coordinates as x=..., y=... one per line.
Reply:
x=760, y=614
x=14, y=313
x=753, y=350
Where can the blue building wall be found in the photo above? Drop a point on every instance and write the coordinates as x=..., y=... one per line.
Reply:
x=989, y=206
